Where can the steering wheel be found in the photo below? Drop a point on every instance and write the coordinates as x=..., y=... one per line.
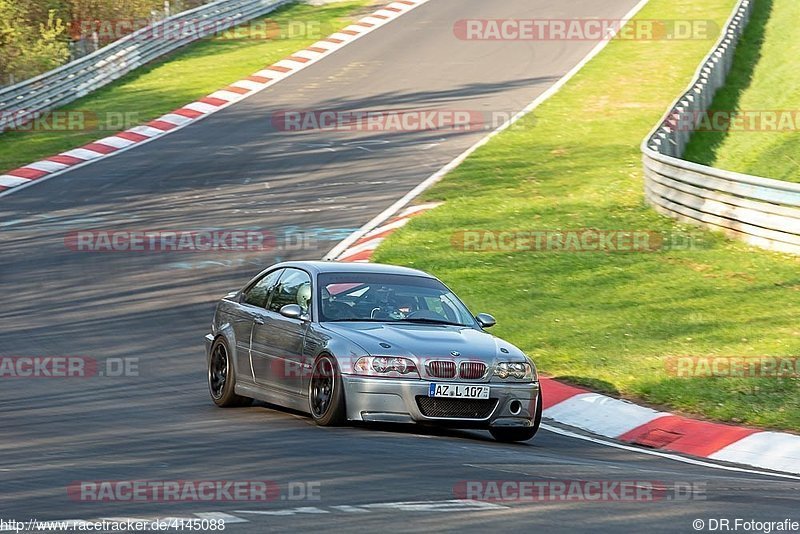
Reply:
x=426, y=314
x=339, y=310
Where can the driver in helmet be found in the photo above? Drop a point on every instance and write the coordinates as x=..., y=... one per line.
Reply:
x=304, y=296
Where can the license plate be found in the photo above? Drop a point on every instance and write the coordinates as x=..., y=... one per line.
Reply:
x=459, y=391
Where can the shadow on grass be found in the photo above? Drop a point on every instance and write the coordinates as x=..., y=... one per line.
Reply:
x=768, y=401
x=593, y=384
x=703, y=146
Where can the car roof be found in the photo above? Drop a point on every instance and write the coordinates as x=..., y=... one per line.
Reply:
x=320, y=267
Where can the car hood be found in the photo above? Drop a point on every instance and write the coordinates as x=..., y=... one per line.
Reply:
x=425, y=341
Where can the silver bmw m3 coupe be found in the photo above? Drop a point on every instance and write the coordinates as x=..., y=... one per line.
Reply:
x=368, y=342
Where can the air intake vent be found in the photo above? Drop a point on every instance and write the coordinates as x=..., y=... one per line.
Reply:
x=456, y=408
x=472, y=370
x=442, y=369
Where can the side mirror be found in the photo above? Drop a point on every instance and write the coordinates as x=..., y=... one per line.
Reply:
x=293, y=311
x=484, y=319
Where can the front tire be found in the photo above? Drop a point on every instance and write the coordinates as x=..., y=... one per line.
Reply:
x=511, y=435
x=326, y=394
x=222, y=379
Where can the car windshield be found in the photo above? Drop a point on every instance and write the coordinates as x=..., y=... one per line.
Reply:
x=389, y=298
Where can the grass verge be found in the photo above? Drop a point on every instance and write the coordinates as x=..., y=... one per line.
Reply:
x=613, y=320
x=764, y=78
x=179, y=78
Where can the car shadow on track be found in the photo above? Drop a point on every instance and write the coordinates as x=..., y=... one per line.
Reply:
x=398, y=428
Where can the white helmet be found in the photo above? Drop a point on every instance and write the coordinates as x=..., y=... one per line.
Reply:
x=304, y=296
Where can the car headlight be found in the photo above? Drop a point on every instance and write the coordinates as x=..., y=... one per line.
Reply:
x=517, y=370
x=385, y=366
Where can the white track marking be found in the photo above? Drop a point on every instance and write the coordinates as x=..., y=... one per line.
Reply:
x=453, y=505
x=288, y=511
x=350, y=509
x=221, y=516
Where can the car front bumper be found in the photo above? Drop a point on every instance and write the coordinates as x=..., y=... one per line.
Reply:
x=397, y=401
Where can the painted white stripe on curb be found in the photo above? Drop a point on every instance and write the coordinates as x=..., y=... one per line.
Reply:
x=47, y=166
x=288, y=64
x=147, y=131
x=6, y=180
x=227, y=96
x=419, y=207
x=250, y=85
x=82, y=153
x=307, y=54
x=601, y=415
x=327, y=45
x=399, y=223
x=115, y=141
x=363, y=247
x=201, y=107
x=768, y=450
x=174, y=118
x=341, y=36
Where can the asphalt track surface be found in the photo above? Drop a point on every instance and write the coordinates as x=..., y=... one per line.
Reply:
x=235, y=170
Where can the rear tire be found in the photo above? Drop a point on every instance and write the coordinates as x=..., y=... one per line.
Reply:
x=510, y=435
x=222, y=379
x=326, y=394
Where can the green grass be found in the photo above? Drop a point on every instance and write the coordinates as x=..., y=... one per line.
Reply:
x=188, y=74
x=765, y=77
x=611, y=320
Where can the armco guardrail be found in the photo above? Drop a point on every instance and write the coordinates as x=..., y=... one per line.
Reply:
x=761, y=211
x=69, y=82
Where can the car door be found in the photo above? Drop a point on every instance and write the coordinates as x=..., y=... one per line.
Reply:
x=250, y=312
x=282, y=364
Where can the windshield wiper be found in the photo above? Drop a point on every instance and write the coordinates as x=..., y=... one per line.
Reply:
x=390, y=321
x=354, y=320
x=431, y=321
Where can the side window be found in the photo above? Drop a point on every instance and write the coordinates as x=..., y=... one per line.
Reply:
x=258, y=294
x=294, y=288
